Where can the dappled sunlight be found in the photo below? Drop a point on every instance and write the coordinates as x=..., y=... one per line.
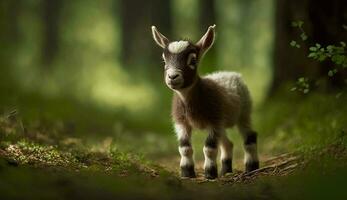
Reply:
x=93, y=28
x=114, y=88
x=89, y=71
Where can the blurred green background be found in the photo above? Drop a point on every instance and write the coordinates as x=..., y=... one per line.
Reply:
x=92, y=66
x=95, y=63
x=91, y=69
x=83, y=101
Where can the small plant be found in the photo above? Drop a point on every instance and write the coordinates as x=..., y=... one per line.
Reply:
x=336, y=54
x=302, y=85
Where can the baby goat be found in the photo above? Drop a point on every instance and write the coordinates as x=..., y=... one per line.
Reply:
x=213, y=103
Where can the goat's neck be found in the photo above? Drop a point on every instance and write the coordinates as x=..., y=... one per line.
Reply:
x=186, y=94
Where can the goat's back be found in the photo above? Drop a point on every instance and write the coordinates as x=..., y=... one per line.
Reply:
x=235, y=88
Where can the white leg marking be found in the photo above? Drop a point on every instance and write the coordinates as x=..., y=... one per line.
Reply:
x=184, y=134
x=186, y=156
x=251, y=153
x=226, y=147
x=210, y=157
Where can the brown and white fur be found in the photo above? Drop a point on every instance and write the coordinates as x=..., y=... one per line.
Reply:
x=214, y=103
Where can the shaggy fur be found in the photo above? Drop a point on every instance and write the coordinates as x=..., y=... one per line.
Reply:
x=213, y=103
x=216, y=100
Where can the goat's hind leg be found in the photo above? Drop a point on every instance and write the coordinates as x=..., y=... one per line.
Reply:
x=186, y=151
x=226, y=147
x=249, y=136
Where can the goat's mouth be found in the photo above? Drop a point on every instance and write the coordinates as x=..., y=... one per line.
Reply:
x=174, y=84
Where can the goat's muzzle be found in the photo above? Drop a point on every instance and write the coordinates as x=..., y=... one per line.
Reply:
x=174, y=78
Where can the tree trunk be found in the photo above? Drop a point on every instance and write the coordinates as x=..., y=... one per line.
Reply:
x=207, y=17
x=137, y=17
x=51, y=10
x=323, y=22
x=9, y=38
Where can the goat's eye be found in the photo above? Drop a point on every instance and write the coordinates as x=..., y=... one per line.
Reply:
x=191, y=62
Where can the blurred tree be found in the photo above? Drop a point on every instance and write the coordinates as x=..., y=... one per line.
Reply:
x=323, y=24
x=137, y=17
x=9, y=36
x=207, y=17
x=9, y=20
x=51, y=12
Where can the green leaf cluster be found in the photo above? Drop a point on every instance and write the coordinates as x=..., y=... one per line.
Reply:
x=293, y=43
x=302, y=85
x=336, y=54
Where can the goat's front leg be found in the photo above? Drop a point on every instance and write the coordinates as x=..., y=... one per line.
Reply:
x=184, y=132
x=210, y=153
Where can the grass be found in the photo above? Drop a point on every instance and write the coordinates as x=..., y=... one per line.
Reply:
x=71, y=155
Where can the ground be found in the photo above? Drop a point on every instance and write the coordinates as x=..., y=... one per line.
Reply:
x=302, y=149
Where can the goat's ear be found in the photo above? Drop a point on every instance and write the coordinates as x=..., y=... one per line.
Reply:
x=159, y=38
x=207, y=40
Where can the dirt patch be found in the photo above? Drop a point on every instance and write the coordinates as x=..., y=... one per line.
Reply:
x=281, y=165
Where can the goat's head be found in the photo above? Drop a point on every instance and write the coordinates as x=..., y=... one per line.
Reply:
x=182, y=57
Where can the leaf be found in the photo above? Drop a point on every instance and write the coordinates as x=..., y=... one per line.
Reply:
x=322, y=57
x=330, y=48
x=300, y=23
x=343, y=44
x=330, y=73
x=318, y=45
x=301, y=79
x=293, y=43
x=344, y=26
x=303, y=36
x=294, y=24
x=312, y=55
x=293, y=89
x=313, y=48
x=338, y=59
x=306, y=91
x=297, y=46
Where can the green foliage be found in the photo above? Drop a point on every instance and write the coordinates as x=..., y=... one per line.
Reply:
x=302, y=85
x=335, y=54
x=303, y=36
x=298, y=24
x=294, y=44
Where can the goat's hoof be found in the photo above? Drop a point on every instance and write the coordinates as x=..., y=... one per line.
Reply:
x=211, y=172
x=251, y=166
x=226, y=166
x=225, y=171
x=188, y=171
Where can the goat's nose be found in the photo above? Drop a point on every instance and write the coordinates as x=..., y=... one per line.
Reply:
x=173, y=76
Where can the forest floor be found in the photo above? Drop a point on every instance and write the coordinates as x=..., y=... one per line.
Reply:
x=40, y=161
